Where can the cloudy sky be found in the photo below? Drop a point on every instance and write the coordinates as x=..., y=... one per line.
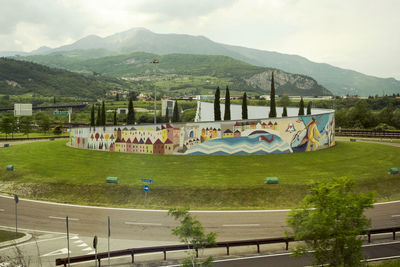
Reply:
x=356, y=34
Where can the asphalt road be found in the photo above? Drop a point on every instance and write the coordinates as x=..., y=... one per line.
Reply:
x=156, y=224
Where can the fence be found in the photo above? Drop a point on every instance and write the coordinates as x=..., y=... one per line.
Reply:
x=227, y=244
x=368, y=133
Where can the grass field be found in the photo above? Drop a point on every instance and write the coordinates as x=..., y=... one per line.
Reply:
x=6, y=235
x=53, y=171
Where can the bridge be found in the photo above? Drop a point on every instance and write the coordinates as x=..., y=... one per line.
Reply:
x=74, y=107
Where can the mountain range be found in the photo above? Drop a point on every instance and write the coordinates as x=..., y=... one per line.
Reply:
x=339, y=81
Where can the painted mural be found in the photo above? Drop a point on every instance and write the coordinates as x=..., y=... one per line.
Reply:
x=280, y=135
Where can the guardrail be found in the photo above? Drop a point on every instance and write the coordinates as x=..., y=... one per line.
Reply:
x=368, y=133
x=34, y=138
x=227, y=244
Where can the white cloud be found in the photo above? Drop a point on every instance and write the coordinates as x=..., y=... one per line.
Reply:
x=356, y=34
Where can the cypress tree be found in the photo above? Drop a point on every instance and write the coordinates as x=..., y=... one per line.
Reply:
x=103, y=114
x=98, y=119
x=130, y=119
x=217, y=108
x=301, y=107
x=309, y=108
x=284, y=113
x=92, y=123
x=166, y=114
x=244, y=107
x=227, y=114
x=115, y=121
x=175, y=115
x=272, y=108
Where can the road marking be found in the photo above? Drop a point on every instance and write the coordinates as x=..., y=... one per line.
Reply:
x=77, y=241
x=1, y=210
x=395, y=216
x=88, y=248
x=241, y=225
x=75, y=237
x=39, y=231
x=57, y=252
x=82, y=245
x=63, y=218
x=138, y=223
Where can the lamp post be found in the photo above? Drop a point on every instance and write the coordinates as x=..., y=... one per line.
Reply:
x=16, y=199
x=155, y=61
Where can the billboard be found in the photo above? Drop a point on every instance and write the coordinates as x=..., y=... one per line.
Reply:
x=22, y=109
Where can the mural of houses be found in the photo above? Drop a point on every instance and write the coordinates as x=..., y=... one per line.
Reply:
x=141, y=146
x=158, y=147
x=237, y=133
x=228, y=133
x=135, y=146
x=148, y=146
x=129, y=146
x=168, y=147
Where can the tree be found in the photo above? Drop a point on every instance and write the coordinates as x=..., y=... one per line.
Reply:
x=191, y=233
x=217, y=108
x=92, y=119
x=175, y=114
x=130, y=119
x=301, y=107
x=57, y=130
x=284, y=113
x=244, y=107
x=117, y=97
x=227, y=114
x=25, y=125
x=98, y=119
x=285, y=101
x=43, y=120
x=166, y=114
x=309, y=108
x=6, y=125
x=272, y=106
x=115, y=120
x=330, y=220
x=103, y=114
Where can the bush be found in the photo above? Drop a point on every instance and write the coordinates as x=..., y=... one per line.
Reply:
x=58, y=130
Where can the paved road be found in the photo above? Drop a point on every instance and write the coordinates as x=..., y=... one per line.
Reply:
x=373, y=251
x=157, y=225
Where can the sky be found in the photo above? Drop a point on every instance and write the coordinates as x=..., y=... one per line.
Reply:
x=362, y=35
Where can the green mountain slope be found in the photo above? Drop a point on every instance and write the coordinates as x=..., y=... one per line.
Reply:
x=19, y=77
x=240, y=76
x=337, y=80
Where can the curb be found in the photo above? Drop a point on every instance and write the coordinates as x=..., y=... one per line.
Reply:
x=25, y=238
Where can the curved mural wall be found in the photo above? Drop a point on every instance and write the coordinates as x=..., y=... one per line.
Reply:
x=261, y=136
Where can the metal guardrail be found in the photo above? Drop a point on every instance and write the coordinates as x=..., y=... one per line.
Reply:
x=34, y=138
x=368, y=133
x=227, y=244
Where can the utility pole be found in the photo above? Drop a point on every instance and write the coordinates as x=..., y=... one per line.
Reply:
x=155, y=61
x=16, y=199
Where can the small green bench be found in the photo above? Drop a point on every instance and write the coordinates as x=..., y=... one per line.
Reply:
x=394, y=171
x=10, y=167
x=112, y=180
x=271, y=180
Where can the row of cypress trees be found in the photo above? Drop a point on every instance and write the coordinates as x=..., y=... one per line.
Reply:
x=272, y=111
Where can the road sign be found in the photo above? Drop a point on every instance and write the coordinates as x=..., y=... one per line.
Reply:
x=147, y=181
x=60, y=113
x=146, y=188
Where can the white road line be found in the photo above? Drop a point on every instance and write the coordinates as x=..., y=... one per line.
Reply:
x=82, y=245
x=39, y=231
x=166, y=211
x=63, y=218
x=241, y=225
x=77, y=241
x=138, y=223
x=1, y=210
x=88, y=248
x=395, y=216
x=34, y=242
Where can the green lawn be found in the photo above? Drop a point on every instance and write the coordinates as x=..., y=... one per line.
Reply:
x=6, y=235
x=390, y=263
x=50, y=170
x=31, y=135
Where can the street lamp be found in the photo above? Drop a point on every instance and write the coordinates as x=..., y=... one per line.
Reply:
x=155, y=61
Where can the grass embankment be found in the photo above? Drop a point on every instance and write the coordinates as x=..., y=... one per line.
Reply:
x=6, y=235
x=390, y=263
x=31, y=135
x=53, y=171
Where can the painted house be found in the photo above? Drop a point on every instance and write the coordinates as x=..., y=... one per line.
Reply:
x=158, y=147
x=168, y=147
x=170, y=132
x=237, y=133
x=129, y=146
x=141, y=146
x=148, y=146
x=228, y=133
x=135, y=146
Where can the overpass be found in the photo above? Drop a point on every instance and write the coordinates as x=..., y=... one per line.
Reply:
x=74, y=107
